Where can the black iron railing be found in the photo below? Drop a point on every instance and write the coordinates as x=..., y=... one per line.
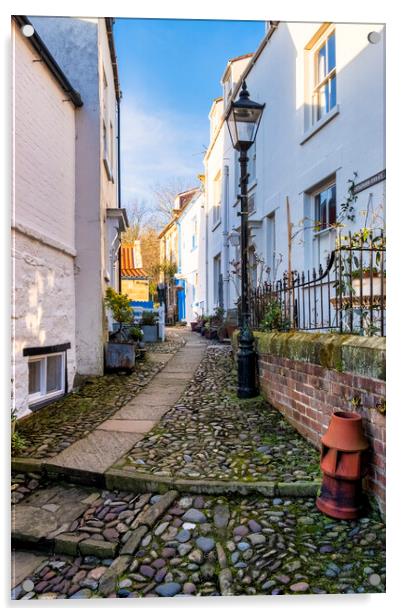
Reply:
x=348, y=296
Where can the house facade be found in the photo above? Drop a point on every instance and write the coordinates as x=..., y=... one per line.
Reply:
x=324, y=90
x=190, y=224
x=84, y=49
x=66, y=224
x=170, y=240
x=44, y=359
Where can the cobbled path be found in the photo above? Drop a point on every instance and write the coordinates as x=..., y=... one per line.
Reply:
x=59, y=425
x=210, y=434
x=196, y=545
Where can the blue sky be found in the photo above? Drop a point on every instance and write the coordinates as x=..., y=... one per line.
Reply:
x=170, y=72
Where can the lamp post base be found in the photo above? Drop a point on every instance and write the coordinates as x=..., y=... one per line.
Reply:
x=246, y=366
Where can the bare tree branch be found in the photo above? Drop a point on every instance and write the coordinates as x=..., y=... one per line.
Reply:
x=164, y=194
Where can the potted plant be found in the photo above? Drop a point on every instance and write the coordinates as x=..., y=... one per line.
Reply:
x=149, y=326
x=137, y=335
x=274, y=318
x=120, y=350
x=361, y=282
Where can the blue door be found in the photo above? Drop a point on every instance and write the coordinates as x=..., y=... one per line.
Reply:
x=181, y=300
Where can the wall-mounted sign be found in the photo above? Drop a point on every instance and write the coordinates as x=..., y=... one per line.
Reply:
x=374, y=179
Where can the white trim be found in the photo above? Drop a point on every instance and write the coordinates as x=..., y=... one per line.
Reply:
x=320, y=124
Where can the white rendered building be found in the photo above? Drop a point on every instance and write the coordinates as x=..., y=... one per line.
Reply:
x=65, y=226
x=324, y=90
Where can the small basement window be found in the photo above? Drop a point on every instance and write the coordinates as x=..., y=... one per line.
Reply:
x=46, y=377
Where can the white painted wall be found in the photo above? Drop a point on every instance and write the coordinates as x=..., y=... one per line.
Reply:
x=289, y=165
x=43, y=302
x=191, y=255
x=80, y=47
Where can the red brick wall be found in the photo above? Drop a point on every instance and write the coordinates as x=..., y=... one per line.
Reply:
x=307, y=394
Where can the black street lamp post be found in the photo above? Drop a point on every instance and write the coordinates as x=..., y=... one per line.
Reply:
x=243, y=121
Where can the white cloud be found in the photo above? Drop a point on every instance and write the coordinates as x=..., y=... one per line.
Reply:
x=157, y=146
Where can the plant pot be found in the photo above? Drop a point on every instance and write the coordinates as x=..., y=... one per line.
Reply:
x=362, y=287
x=344, y=464
x=202, y=331
x=193, y=325
x=222, y=333
x=150, y=333
x=230, y=330
x=120, y=356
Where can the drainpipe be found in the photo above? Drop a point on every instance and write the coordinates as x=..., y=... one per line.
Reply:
x=225, y=234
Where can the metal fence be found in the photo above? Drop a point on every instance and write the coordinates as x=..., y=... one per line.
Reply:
x=348, y=296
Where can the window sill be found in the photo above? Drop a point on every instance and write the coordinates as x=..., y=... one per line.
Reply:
x=216, y=225
x=319, y=125
x=37, y=404
x=325, y=231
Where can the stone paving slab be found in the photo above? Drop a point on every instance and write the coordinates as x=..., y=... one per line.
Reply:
x=23, y=564
x=138, y=426
x=48, y=512
x=97, y=452
x=145, y=408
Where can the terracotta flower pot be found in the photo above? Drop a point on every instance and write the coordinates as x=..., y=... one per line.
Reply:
x=344, y=464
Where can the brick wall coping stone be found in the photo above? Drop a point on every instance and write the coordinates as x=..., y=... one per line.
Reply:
x=361, y=355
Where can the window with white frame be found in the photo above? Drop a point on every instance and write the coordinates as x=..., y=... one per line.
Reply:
x=46, y=376
x=324, y=213
x=217, y=276
x=217, y=189
x=252, y=168
x=236, y=175
x=324, y=88
x=325, y=208
x=194, y=233
x=227, y=90
x=251, y=203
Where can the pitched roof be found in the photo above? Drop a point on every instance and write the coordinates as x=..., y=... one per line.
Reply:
x=45, y=55
x=128, y=269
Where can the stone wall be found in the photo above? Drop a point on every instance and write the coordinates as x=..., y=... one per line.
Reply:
x=309, y=376
x=43, y=308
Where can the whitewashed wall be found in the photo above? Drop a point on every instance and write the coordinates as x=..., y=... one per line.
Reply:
x=43, y=303
x=80, y=47
x=190, y=262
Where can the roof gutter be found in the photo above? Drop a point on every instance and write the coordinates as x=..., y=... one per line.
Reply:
x=49, y=60
x=109, y=21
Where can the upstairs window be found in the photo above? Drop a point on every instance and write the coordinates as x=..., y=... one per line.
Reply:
x=194, y=233
x=252, y=168
x=217, y=189
x=324, y=91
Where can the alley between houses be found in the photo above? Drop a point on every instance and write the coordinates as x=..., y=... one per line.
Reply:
x=187, y=491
